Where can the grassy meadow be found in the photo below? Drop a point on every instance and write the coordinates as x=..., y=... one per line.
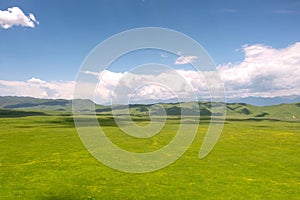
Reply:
x=42, y=157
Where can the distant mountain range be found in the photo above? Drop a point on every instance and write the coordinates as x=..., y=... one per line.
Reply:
x=256, y=101
x=36, y=106
x=266, y=101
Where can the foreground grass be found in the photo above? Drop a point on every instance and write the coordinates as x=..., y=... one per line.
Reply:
x=42, y=157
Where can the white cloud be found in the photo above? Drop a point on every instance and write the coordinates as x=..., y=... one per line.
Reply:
x=32, y=17
x=181, y=60
x=15, y=17
x=97, y=74
x=159, y=86
x=37, y=88
x=265, y=71
x=124, y=87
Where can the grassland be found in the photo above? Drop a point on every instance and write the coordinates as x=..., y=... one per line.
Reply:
x=42, y=157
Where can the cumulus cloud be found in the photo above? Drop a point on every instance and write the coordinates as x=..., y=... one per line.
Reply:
x=182, y=60
x=265, y=71
x=35, y=87
x=131, y=87
x=15, y=17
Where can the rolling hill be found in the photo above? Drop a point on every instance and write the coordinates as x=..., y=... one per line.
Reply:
x=237, y=110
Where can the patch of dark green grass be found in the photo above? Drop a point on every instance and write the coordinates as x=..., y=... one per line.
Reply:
x=4, y=113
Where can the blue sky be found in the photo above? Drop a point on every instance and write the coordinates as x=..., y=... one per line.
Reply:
x=68, y=30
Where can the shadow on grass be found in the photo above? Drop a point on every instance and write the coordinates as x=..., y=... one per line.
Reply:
x=6, y=113
x=82, y=121
x=253, y=119
x=110, y=121
x=59, y=197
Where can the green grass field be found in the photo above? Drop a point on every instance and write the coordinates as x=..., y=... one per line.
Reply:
x=42, y=157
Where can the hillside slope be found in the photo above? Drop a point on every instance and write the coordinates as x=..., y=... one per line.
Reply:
x=238, y=110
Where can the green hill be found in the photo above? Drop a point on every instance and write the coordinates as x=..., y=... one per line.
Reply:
x=29, y=103
x=235, y=110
